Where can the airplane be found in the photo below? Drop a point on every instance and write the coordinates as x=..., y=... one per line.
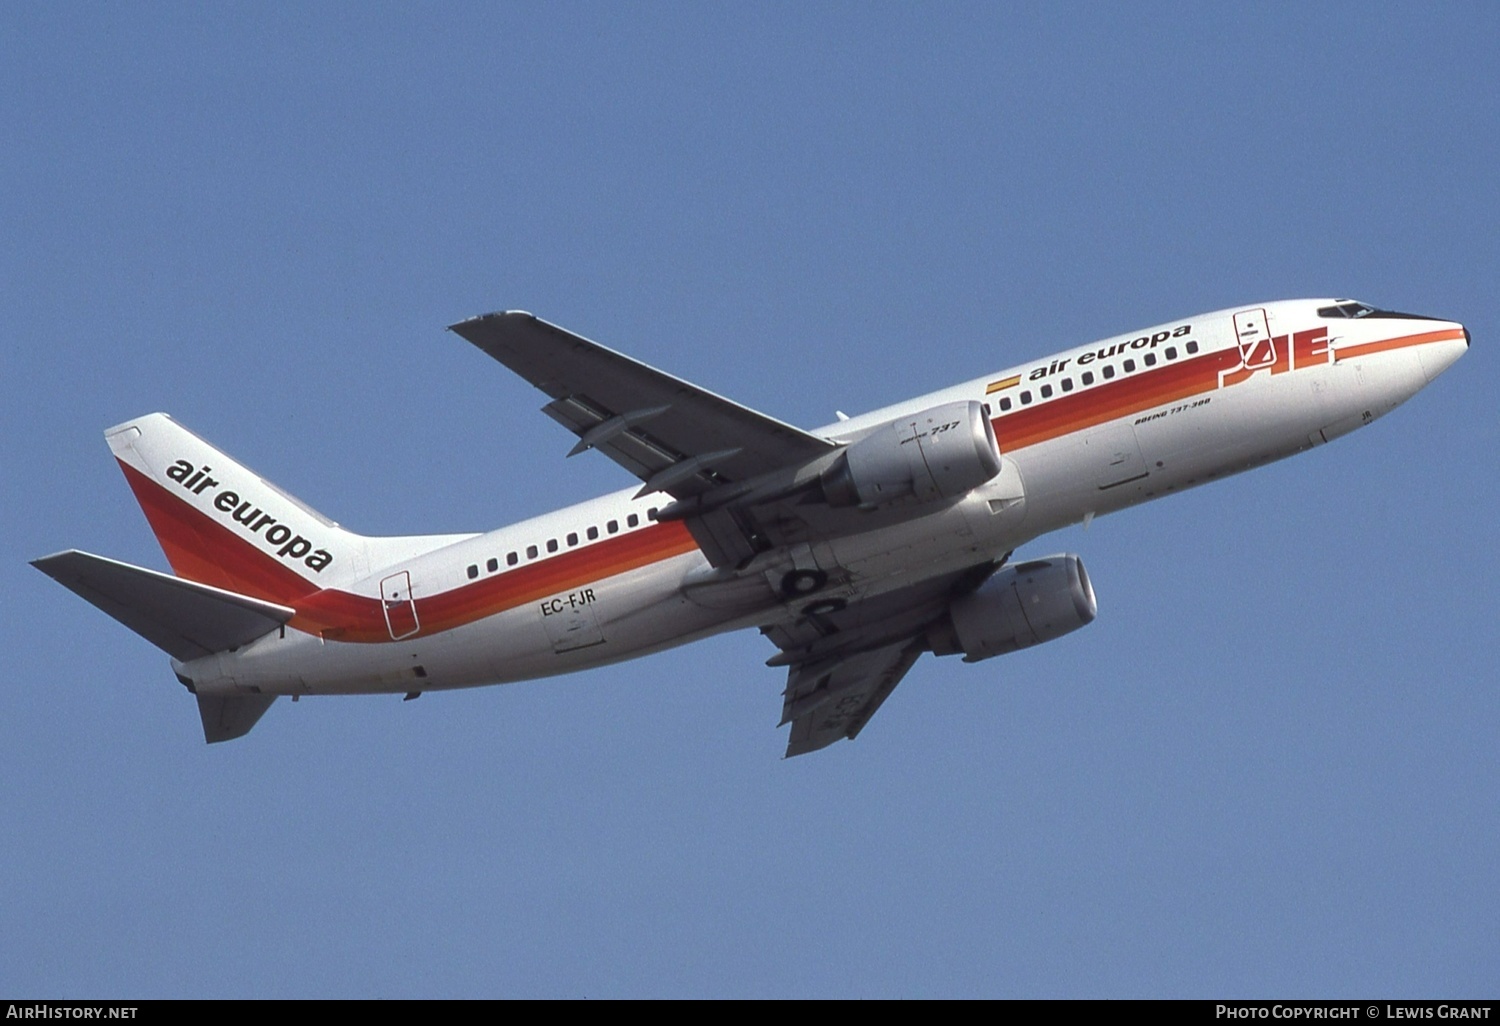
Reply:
x=854, y=548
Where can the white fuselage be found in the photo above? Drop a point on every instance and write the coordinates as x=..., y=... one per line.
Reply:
x=1083, y=433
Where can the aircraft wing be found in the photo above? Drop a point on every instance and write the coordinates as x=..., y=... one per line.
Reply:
x=845, y=663
x=833, y=699
x=676, y=437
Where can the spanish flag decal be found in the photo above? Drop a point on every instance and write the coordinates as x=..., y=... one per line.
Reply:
x=996, y=386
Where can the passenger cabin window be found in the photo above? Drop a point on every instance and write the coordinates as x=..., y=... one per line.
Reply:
x=613, y=526
x=492, y=565
x=551, y=544
x=1171, y=352
x=651, y=513
x=593, y=533
x=1109, y=371
x=1025, y=397
x=1067, y=384
x=1046, y=391
x=1088, y=377
x=512, y=558
x=531, y=552
x=1005, y=403
x=1192, y=347
x=473, y=570
x=632, y=520
x=572, y=538
x=1129, y=366
x=1150, y=359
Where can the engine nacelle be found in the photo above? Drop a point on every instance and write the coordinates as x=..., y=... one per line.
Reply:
x=941, y=453
x=1020, y=606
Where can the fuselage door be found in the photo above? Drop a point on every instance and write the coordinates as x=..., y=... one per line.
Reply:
x=1254, y=338
x=400, y=608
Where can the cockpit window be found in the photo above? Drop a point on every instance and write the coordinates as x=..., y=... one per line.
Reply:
x=1352, y=309
x=1346, y=310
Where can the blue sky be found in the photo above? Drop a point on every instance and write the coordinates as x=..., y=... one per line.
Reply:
x=1269, y=768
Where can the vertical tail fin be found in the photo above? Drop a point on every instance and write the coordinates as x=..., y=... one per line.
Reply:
x=220, y=523
x=226, y=717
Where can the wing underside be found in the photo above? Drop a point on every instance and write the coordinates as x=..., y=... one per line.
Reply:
x=833, y=699
x=845, y=663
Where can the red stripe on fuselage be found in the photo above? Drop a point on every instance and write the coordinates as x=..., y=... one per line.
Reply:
x=1096, y=404
x=1054, y=418
x=341, y=616
x=1385, y=345
x=201, y=550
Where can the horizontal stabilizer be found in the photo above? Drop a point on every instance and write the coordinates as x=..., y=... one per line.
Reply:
x=227, y=717
x=185, y=619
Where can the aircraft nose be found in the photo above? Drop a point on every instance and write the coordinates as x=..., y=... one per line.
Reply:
x=1438, y=356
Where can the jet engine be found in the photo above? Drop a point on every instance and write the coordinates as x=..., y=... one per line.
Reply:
x=1020, y=606
x=941, y=453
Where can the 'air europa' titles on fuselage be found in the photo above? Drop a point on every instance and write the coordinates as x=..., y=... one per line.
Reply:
x=287, y=544
x=1103, y=353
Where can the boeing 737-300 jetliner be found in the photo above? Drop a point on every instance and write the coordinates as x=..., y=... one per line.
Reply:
x=854, y=548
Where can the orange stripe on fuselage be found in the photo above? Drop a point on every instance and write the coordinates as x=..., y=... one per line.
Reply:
x=341, y=616
x=201, y=550
x=1054, y=418
x=1385, y=345
x=1096, y=404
